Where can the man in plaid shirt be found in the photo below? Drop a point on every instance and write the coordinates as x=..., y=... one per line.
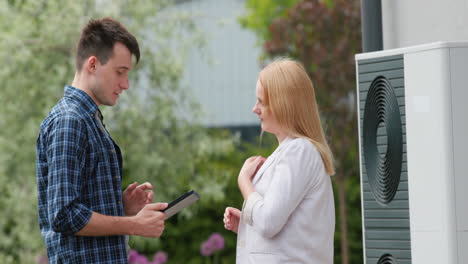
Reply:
x=83, y=214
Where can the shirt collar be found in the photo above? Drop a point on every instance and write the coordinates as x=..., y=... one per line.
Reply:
x=83, y=99
x=285, y=141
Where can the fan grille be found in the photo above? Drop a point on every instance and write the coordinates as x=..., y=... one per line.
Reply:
x=383, y=169
x=387, y=259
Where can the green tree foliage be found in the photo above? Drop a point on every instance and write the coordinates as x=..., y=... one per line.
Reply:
x=324, y=36
x=260, y=14
x=152, y=122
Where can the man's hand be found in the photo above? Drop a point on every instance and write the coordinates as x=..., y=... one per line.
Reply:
x=135, y=197
x=149, y=222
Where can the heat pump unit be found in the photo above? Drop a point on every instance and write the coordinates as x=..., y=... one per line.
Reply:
x=413, y=143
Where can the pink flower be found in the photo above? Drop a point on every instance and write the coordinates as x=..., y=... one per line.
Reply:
x=214, y=243
x=206, y=249
x=132, y=256
x=135, y=258
x=160, y=257
x=217, y=241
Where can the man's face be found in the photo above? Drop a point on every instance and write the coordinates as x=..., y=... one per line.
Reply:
x=112, y=78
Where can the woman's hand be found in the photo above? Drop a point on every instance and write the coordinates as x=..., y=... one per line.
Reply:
x=250, y=168
x=248, y=171
x=231, y=219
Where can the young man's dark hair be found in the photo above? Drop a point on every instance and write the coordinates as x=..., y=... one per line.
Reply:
x=98, y=38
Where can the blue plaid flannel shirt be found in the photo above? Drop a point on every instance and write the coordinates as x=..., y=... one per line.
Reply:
x=79, y=170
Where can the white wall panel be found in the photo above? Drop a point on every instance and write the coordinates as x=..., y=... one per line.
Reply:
x=412, y=22
x=222, y=78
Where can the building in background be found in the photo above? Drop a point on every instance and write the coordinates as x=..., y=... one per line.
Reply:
x=222, y=77
x=407, y=23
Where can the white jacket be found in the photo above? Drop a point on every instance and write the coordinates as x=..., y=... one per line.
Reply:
x=290, y=218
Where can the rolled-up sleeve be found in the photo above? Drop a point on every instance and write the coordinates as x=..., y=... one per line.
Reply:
x=65, y=155
x=293, y=177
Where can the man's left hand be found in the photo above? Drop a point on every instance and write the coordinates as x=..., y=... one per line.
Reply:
x=135, y=197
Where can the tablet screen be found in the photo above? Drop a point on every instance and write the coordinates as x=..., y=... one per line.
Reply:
x=180, y=203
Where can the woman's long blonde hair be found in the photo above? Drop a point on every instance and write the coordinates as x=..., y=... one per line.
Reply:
x=290, y=96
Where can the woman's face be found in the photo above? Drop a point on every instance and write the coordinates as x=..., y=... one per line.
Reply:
x=268, y=121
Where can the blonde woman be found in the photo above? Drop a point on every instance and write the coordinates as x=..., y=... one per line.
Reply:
x=288, y=214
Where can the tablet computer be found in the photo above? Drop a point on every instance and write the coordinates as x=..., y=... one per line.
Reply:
x=180, y=203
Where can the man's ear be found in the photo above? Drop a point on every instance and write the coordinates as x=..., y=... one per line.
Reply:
x=91, y=64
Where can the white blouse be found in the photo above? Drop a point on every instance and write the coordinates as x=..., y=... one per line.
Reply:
x=290, y=218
